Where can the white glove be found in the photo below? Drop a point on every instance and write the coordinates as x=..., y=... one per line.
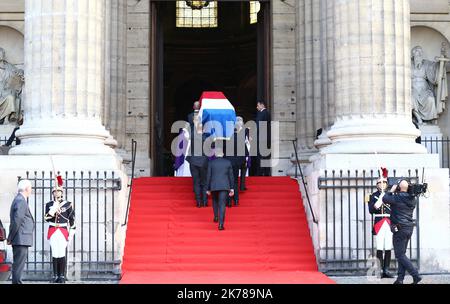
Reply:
x=71, y=234
x=379, y=201
x=54, y=209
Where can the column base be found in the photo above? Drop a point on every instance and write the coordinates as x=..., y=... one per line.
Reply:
x=373, y=134
x=62, y=136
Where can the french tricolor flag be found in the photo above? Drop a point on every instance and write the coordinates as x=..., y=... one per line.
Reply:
x=217, y=115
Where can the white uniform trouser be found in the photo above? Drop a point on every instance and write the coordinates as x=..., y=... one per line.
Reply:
x=384, y=237
x=58, y=244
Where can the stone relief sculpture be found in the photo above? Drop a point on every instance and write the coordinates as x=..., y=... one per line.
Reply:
x=429, y=86
x=11, y=84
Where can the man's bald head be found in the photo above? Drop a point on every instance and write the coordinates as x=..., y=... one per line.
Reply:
x=403, y=186
x=196, y=105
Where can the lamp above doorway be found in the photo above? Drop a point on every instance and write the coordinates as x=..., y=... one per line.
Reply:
x=197, y=5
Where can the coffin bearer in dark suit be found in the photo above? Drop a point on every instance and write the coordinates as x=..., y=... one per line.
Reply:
x=381, y=225
x=20, y=230
x=219, y=183
x=246, y=164
x=235, y=152
x=195, y=107
x=198, y=164
x=263, y=138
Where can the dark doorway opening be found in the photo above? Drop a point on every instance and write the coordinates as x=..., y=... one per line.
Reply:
x=232, y=58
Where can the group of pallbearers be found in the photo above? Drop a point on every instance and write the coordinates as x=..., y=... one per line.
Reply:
x=216, y=172
x=217, y=148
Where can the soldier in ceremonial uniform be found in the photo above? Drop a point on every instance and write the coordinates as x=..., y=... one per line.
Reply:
x=381, y=227
x=60, y=215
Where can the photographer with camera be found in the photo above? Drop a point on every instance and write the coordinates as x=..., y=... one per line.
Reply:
x=402, y=205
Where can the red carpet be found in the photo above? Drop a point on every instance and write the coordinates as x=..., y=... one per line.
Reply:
x=266, y=238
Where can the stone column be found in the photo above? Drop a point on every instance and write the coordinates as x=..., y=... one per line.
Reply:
x=64, y=62
x=115, y=69
x=372, y=85
x=314, y=79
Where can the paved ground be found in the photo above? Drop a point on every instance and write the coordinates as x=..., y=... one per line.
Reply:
x=427, y=279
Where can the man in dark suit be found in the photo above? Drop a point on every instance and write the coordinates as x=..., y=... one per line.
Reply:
x=235, y=152
x=190, y=118
x=263, y=138
x=219, y=183
x=198, y=164
x=20, y=230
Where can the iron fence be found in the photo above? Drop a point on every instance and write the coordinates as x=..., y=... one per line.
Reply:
x=93, y=252
x=347, y=244
x=438, y=145
x=4, y=140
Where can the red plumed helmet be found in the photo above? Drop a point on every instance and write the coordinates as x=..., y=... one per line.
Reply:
x=59, y=180
x=384, y=175
x=59, y=184
x=385, y=172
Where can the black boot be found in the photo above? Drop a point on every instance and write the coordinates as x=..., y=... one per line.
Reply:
x=386, y=264
x=416, y=279
x=380, y=258
x=61, y=270
x=55, y=270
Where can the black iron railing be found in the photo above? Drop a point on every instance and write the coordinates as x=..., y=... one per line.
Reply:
x=347, y=245
x=93, y=252
x=130, y=185
x=438, y=145
x=4, y=140
x=305, y=185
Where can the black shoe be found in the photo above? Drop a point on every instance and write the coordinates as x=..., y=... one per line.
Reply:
x=61, y=280
x=198, y=205
x=236, y=203
x=398, y=282
x=416, y=279
x=216, y=219
x=54, y=279
x=221, y=227
x=386, y=275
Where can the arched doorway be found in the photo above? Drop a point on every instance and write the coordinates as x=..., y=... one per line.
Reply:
x=228, y=57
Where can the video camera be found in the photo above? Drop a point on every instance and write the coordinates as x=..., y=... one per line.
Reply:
x=414, y=189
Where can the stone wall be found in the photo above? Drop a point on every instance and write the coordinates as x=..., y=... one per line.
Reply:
x=284, y=89
x=138, y=82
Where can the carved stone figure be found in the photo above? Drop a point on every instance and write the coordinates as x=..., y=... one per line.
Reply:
x=11, y=84
x=429, y=86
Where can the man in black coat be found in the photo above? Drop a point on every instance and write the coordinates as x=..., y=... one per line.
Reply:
x=198, y=164
x=235, y=152
x=263, y=138
x=219, y=183
x=190, y=118
x=20, y=230
x=402, y=225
